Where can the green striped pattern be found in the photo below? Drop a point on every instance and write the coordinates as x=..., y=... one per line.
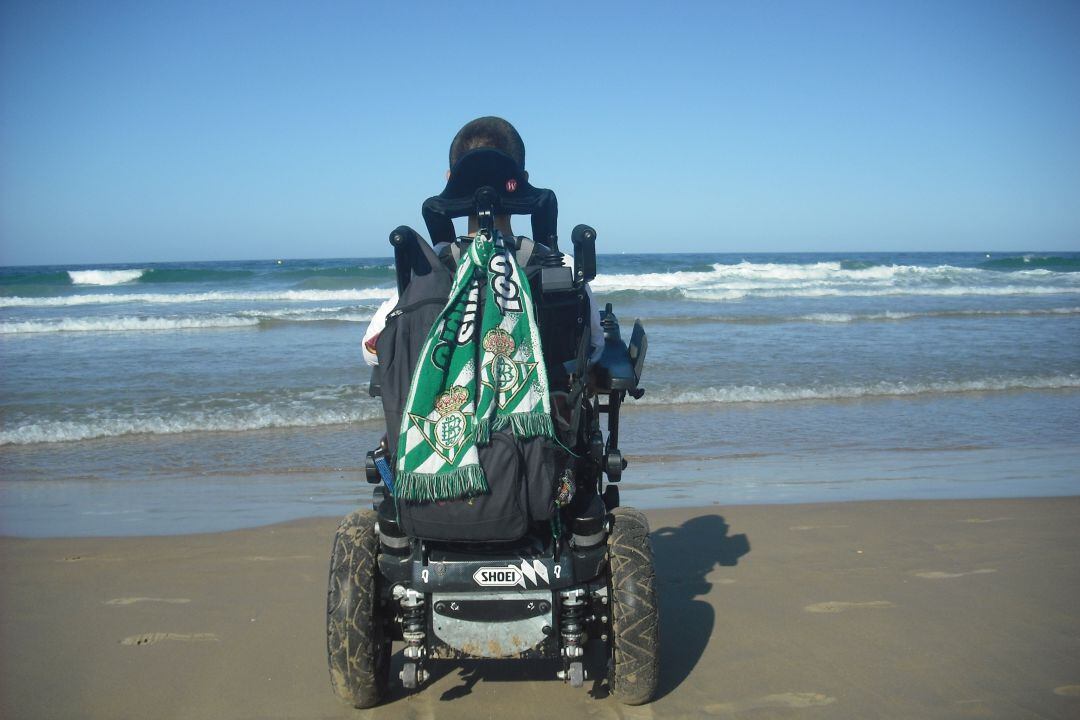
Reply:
x=481, y=370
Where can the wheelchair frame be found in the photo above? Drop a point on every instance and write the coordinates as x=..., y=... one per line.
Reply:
x=585, y=579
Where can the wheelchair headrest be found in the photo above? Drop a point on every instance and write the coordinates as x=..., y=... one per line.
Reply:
x=488, y=167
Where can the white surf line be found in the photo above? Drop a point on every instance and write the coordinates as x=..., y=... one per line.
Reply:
x=104, y=277
x=185, y=298
x=883, y=389
x=125, y=324
x=985, y=520
x=939, y=575
x=133, y=600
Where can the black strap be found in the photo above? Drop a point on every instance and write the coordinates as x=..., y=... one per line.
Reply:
x=396, y=312
x=522, y=256
x=580, y=371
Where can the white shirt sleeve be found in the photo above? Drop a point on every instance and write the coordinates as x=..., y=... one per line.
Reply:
x=378, y=322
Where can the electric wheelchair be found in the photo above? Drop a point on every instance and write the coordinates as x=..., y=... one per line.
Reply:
x=549, y=564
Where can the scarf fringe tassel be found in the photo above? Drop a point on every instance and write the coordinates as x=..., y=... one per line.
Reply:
x=464, y=482
x=469, y=480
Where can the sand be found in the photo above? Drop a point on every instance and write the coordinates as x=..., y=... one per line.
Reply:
x=948, y=609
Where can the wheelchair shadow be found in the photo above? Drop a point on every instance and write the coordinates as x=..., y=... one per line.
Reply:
x=684, y=557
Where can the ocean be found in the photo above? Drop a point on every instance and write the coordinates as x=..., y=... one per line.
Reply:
x=164, y=398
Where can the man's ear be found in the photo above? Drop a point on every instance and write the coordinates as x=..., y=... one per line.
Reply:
x=447, y=176
x=523, y=172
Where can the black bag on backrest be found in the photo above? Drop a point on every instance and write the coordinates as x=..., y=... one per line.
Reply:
x=520, y=473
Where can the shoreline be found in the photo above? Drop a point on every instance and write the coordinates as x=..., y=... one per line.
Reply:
x=688, y=509
x=182, y=505
x=898, y=608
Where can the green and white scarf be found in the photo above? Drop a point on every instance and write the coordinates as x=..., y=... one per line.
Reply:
x=481, y=370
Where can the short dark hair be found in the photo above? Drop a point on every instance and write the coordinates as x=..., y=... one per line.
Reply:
x=489, y=131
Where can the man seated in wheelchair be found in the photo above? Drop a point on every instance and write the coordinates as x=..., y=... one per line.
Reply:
x=492, y=537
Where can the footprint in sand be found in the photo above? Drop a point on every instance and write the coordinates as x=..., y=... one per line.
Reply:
x=133, y=600
x=781, y=700
x=596, y=711
x=156, y=637
x=835, y=606
x=938, y=575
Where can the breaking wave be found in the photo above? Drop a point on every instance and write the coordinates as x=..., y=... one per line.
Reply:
x=241, y=319
x=199, y=273
x=326, y=406
x=782, y=393
x=180, y=298
x=837, y=279
x=104, y=277
x=122, y=324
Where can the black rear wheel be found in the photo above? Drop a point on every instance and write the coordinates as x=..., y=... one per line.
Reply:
x=635, y=622
x=357, y=640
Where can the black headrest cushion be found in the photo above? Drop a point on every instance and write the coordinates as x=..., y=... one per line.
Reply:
x=488, y=167
x=485, y=166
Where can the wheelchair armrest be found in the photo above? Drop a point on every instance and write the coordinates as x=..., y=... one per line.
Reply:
x=614, y=371
x=619, y=366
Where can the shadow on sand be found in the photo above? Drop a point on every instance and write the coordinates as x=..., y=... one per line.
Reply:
x=685, y=555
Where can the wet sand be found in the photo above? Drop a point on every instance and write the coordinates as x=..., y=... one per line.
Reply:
x=895, y=609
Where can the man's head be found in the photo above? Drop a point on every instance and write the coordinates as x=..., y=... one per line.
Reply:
x=491, y=132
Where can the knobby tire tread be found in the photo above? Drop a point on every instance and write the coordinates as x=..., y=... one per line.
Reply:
x=635, y=613
x=358, y=653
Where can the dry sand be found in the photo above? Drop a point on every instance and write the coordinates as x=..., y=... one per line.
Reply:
x=950, y=609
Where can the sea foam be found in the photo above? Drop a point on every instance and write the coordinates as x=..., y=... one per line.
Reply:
x=256, y=418
x=123, y=324
x=240, y=319
x=779, y=394
x=833, y=279
x=181, y=298
x=104, y=277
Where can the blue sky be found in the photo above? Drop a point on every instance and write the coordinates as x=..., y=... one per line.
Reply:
x=156, y=131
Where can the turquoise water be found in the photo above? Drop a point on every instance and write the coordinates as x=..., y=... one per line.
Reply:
x=200, y=396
